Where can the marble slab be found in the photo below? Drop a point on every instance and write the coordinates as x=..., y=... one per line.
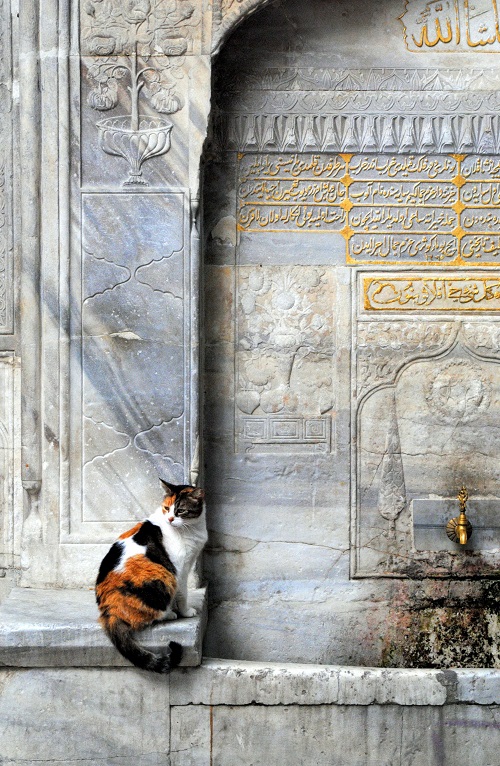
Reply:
x=59, y=628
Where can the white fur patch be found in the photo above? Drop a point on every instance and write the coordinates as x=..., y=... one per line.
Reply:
x=129, y=548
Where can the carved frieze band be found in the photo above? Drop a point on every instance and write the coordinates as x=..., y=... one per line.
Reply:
x=288, y=82
x=325, y=109
x=383, y=132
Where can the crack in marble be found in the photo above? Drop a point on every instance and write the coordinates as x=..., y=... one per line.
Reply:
x=151, y=428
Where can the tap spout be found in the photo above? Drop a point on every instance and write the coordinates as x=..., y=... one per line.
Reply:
x=459, y=529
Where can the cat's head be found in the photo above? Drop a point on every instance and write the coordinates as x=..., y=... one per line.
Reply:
x=182, y=503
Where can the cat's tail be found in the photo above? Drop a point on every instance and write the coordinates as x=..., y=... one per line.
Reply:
x=122, y=636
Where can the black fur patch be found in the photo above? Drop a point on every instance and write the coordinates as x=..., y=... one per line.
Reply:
x=153, y=593
x=150, y=535
x=109, y=562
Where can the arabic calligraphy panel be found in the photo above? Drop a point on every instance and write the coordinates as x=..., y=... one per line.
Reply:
x=431, y=293
x=415, y=209
x=451, y=26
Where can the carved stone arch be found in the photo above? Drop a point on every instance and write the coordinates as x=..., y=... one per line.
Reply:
x=228, y=14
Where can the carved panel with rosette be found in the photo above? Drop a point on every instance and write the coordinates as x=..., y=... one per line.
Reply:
x=425, y=413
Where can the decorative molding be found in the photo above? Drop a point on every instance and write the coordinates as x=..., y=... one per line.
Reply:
x=377, y=109
x=315, y=80
x=385, y=132
x=6, y=251
x=361, y=102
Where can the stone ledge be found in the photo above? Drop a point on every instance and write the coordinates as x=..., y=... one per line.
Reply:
x=231, y=682
x=59, y=628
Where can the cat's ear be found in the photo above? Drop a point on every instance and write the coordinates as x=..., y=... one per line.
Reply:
x=169, y=488
x=198, y=493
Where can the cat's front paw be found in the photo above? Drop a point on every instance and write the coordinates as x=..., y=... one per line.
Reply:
x=170, y=616
x=188, y=612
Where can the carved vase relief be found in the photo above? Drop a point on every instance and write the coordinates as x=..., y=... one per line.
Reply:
x=284, y=358
x=141, y=45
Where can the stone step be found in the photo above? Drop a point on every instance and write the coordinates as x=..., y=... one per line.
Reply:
x=58, y=628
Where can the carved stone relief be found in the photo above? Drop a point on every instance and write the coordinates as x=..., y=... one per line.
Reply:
x=134, y=62
x=130, y=353
x=285, y=345
x=360, y=110
x=424, y=426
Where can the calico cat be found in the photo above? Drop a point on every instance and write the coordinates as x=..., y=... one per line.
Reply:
x=143, y=577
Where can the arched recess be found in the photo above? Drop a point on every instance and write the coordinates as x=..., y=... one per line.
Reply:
x=309, y=126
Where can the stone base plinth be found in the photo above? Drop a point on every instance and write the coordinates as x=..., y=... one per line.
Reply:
x=59, y=628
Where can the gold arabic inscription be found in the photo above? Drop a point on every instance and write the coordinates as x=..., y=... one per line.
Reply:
x=436, y=293
x=419, y=209
x=452, y=25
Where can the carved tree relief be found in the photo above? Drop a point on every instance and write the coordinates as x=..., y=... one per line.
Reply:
x=141, y=44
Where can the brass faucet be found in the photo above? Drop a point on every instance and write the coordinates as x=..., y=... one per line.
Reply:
x=459, y=529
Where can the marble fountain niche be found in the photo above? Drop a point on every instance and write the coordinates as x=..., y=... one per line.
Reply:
x=352, y=339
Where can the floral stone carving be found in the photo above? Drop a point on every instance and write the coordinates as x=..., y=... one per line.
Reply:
x=285, y=349
x=144, y=42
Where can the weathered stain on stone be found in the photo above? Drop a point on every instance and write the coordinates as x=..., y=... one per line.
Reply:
x=441, y=627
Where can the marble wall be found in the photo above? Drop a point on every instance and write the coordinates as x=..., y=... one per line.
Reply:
x=275, y=249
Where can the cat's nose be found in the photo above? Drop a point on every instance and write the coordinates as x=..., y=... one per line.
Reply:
x=170, y=518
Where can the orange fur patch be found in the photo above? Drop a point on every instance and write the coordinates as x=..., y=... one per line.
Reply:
x=168, y=503
x=131, y=609
x=131, y=532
